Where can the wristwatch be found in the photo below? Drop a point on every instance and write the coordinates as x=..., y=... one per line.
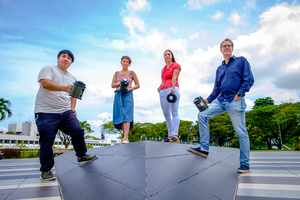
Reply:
x=239, y=95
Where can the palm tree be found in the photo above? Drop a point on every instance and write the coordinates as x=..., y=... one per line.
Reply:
x=4, y=104
x=86, y=127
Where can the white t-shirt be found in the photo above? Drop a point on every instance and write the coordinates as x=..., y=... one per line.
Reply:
x=53, y=101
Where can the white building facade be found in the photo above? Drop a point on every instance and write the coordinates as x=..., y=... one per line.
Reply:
x=30, y=137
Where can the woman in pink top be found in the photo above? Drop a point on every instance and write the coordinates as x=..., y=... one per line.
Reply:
x=169, y=76
x=123, y=101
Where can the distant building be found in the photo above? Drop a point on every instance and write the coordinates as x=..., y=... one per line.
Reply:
x=17, y=128
x=28, y=134
x=30, y=129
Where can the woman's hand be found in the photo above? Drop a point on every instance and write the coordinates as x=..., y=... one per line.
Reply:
x=130, y=89
x=158, y=89
x=172, y=90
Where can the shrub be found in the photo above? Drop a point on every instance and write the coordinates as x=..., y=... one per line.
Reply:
x=89, y=146
x=11, y=153
x=297, y=146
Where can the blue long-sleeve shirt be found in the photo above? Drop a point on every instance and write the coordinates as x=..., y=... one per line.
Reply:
x=232, y=78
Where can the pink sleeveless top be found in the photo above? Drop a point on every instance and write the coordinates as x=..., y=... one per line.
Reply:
x=124, y=76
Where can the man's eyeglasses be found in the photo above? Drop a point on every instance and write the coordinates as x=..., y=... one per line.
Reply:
x=227, y=45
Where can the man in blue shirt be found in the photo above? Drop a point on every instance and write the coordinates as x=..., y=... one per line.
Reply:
x=233, y=79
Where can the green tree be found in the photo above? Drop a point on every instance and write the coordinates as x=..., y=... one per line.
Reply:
x=22, y=146
x=266, y=122
x=64, y=138
x=10, y=133
x=86, y=127
x=261, y=102
x=4, y=109
x=185, y=129
x=288, y=120
x=221, y=129
x=92, y=137
x=109, y=128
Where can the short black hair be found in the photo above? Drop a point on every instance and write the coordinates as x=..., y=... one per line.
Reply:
x=67, y=52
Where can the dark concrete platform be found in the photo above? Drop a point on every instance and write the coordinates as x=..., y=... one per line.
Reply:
x=149, y=170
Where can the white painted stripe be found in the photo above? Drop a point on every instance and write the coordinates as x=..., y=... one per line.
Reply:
x=268, y=193
x=274, y=161
x=269, y=186
x=19, y=174
x=43, y=184
x=22, y=169
x=274, y=158
x=43, y=198
x=273, y=165
x=270, y=175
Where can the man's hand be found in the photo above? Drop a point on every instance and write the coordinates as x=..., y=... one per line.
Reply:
x=68, y=88
x=74, y=111
x=206, y=101
x=237, y=98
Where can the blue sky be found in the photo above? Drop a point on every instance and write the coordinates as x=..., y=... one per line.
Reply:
x=99, y=33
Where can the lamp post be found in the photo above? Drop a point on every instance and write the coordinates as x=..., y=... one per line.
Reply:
x=102, y=131
x=280, y=137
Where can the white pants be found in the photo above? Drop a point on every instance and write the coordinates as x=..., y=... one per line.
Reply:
x=170, y=110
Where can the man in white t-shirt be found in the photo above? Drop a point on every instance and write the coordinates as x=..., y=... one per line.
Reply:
x=55, y=109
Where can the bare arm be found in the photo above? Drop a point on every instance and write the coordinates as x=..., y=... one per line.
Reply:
x=176, y=73
x=136, y=82
x=49, y=85
x=159, y=88
x=73, y=105
x=114, y=83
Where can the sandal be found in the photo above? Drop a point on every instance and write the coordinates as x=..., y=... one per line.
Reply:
x=124, y=141
x=174, y=140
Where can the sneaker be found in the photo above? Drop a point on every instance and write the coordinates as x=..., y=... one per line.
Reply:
x=86, y=158
x=243, y=169
x=47, y=176
x=174, y=140
x=198, y=151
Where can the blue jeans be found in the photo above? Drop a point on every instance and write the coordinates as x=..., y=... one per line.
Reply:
x=48, y=125
x=236, y=111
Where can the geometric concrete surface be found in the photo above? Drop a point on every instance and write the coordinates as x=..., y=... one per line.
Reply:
x=149, y=170
x=274, y=176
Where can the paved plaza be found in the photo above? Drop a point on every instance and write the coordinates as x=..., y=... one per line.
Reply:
x=274, y=175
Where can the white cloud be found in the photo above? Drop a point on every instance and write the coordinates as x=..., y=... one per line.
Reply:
x=3, y=129
x=133, y=22
x=194, y=36
x=235, y=18
x=250, y=104
x=218, y=15
x=283, y=96
x=231, y=32
x=198, y=4
x=250, y=3
x=174, y=30
x=270, y=50
x=137, y=5
x=13, y=37
x=105, y=116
